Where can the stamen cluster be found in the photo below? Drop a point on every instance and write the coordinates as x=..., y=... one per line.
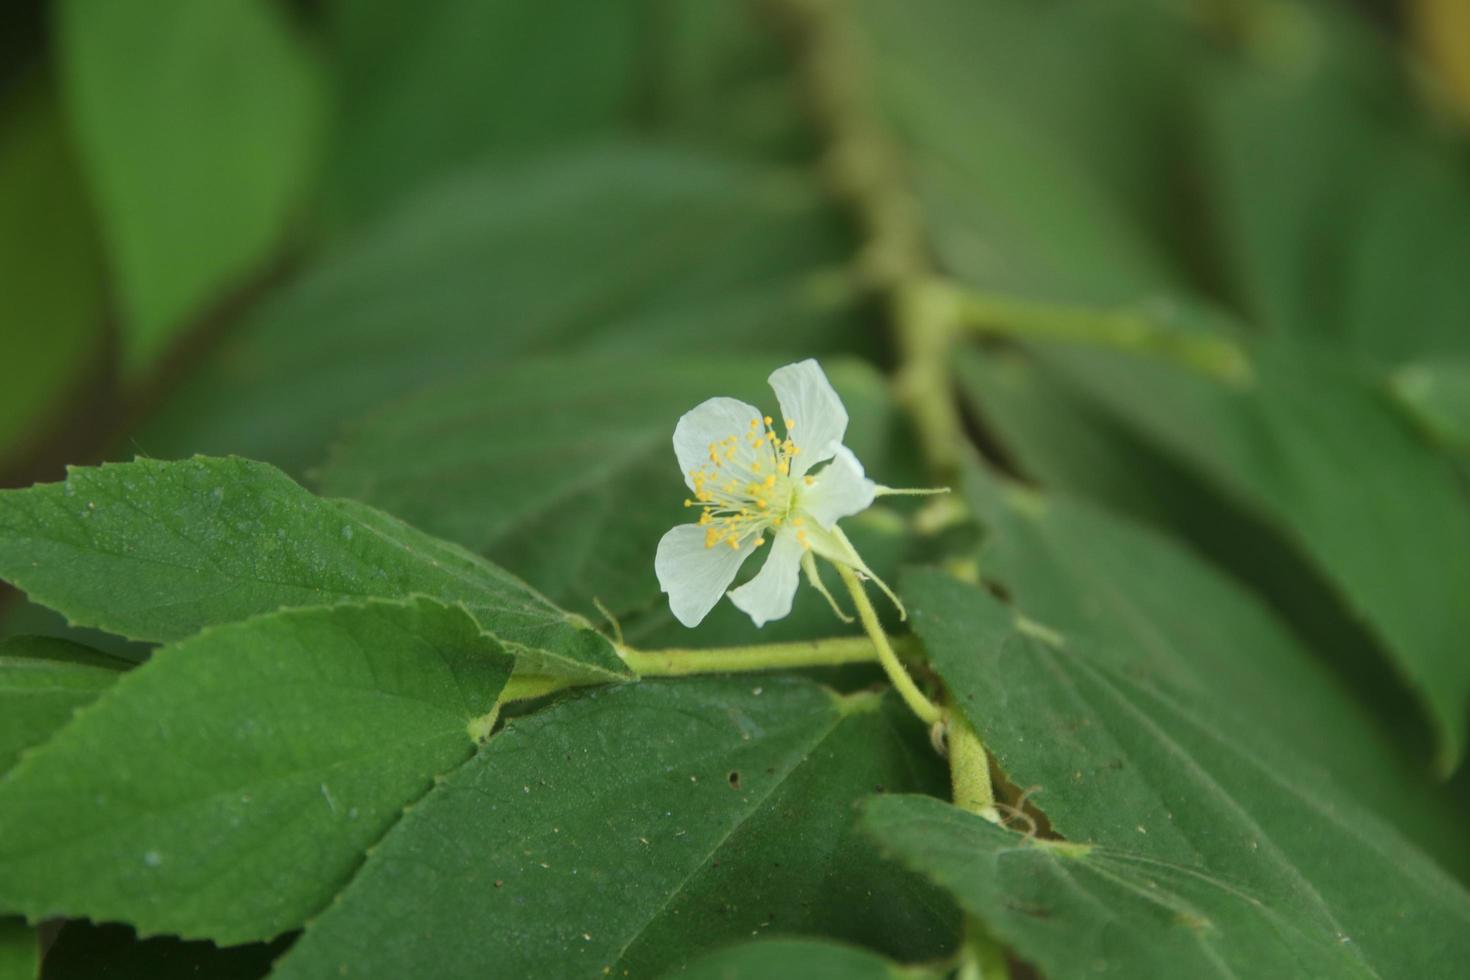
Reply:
x=746, y=485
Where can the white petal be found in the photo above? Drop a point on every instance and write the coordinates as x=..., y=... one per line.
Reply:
x=710, y=421
x=807, y=398
x=840, y=490
x=768, y=596
x=695, y=576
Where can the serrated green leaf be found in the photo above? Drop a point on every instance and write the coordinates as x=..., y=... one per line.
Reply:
x=1060, y=437
x=1132, y=766
x=570, y=483
x=43, y=681
x=805, y=958
x=20, y=951
x=196, y=125
x=229, y=786
x=632, y=828
x=83, y=951
x=1083, y=911
x=618, y=249
x=1168, y=618
x=50, y=269
x=156, y=550
x=1294, y=448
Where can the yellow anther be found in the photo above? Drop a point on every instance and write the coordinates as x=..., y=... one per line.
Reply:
x=802, y=538
x=704, y=518
x=768, y=420
x=762, y=503
x=785, y=467
x=797, y=522
x=734, y=542
x=771, y=480
x=790, y=424
x=759, y=542
x=776, y=522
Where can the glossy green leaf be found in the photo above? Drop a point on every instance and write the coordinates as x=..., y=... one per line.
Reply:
x=634, y=827
x=1130, y=764
x=1167, y=617
x=229, y=786
x=1085, y=911
x=156, y=551
x=618, y=249
x=83, y=951
x=196, y=124
x=19, y=951
x=43, y=682
x=569, y=484
x=805, y=958
x=1293, y=448
x=50, y=269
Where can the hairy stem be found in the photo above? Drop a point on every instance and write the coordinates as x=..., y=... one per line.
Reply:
x=969, y=769
x=767, y=656
x=927, y=710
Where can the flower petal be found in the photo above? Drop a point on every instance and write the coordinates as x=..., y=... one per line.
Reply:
x=840, y=490
x=808, y=399
x=693, y=575
x=768, y=596
x=710, y=421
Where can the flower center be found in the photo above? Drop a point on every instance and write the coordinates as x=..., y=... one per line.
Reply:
x=746, y=487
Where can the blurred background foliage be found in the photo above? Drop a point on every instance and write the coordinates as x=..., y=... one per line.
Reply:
x=467, y=260
x=453, y=256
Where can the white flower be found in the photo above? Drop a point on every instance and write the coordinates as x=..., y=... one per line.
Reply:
x=755, y=488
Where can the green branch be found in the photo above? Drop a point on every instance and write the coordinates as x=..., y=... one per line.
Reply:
x=1130, y=330
x=766, y=656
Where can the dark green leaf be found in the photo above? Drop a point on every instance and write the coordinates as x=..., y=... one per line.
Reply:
x=156, y=551
x=43, y=681
x=83, y=951
x=1035, y=189
x=197, y=128
x=634, y=827
x=619, y=250
x=430, y=87
x=805, y=958
x=50, y=269
x=19, y=951
x=1133, y=766
x=228, y=787
x=1166, y=617
x=1076, y=910
x=1294, y=448
x=1437, y=396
